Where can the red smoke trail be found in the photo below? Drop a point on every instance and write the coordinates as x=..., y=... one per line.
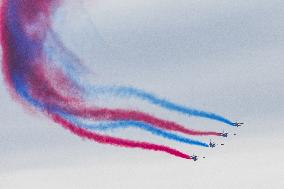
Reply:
x=119, y=114
x=51, y=96
x=115, y=141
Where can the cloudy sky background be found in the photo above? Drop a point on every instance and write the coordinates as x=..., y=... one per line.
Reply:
x=221, y=56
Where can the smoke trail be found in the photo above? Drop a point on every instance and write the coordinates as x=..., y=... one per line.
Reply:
x=120, y=114
x=72, y=66
x=104, y=126
x=115, y=141
x=132, y=92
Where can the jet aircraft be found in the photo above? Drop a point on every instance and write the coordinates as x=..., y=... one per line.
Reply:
x=238, y=124
x=212, y=144
x=193, y=157
x=224, y=134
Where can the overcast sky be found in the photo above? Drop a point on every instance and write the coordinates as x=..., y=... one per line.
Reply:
x=223, y=56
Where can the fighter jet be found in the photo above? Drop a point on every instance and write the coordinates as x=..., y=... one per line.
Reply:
x=224, y=134
x=238, y=124
x=212, y=144
x=193, y=157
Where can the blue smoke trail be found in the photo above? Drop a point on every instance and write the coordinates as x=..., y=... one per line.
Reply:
x=70, y=64
x=104, y=126
x=132, y=92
